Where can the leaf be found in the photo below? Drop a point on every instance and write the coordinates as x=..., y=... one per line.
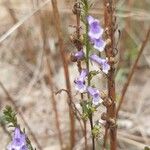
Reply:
x=9, y=116
x=93, y=74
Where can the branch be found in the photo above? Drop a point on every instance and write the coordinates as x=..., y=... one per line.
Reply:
x=66, y=70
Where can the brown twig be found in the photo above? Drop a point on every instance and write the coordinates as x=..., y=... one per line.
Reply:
x=105, y=137
x=66, y=71
x=11, y=100
x=126, y=85
x=49, y=77
x=109, y=21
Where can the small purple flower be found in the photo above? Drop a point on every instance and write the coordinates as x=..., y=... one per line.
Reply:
x=95, y=30
x=95, y=95
x=80, y=86
x=105, y=66
x=99, y=44
x=102, y=62
x=80, y=81
x=79, y=55
x=83, y=74
x=18, y=141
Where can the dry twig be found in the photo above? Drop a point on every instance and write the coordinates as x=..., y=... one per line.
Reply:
x=109, y=21
x=66, y=71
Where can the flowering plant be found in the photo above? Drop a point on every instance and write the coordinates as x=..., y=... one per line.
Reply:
x=89, y=49
x=19, y=141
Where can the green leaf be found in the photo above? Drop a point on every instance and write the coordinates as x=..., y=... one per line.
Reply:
x=96, y=130
x=87, y=109
x=93, y=74
x=9, y=117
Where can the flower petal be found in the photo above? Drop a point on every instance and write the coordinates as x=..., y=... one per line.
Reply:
x=99, y=44
x=79, y=55
x=80, y=86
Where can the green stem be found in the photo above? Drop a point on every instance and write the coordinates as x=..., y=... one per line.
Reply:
x=87, y=44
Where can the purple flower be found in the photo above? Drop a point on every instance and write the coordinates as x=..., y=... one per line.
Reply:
x=95, y=30
x=99, y=44
x=95, y=33
x=80, y=81
x=105, y=66
x=95, y=95
x=18, y=141
x=102, y=62
x=79, y=55
x=80, y=86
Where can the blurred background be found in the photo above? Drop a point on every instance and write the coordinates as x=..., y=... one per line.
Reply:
x=27, y=28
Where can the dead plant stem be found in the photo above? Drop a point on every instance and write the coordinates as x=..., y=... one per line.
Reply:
x=66, y=71
x=109, y=21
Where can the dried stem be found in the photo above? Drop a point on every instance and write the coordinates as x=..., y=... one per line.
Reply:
x=50, y=80
x=109, y=21
x=11, y=100
x=54, y=104
x=132, y=71
x=66, y=71
x=105, y=137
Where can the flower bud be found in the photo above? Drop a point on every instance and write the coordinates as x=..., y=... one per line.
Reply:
x=77, y=56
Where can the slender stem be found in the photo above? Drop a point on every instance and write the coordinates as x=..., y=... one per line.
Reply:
x=105, y=137
x=85, y=135
x=79, y=48
x=132, y=71
x=109, y=20
x=66, y=70
x=87, y=44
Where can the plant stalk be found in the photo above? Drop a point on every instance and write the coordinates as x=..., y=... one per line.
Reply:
x=87, y=44
x=66, y=71
x=79, y=48
x=109, y=21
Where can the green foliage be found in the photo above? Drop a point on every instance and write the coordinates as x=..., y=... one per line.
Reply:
x=9, y=117
x=85, y=6
x=96, y=130
x=87, y=109
x=93, y=74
